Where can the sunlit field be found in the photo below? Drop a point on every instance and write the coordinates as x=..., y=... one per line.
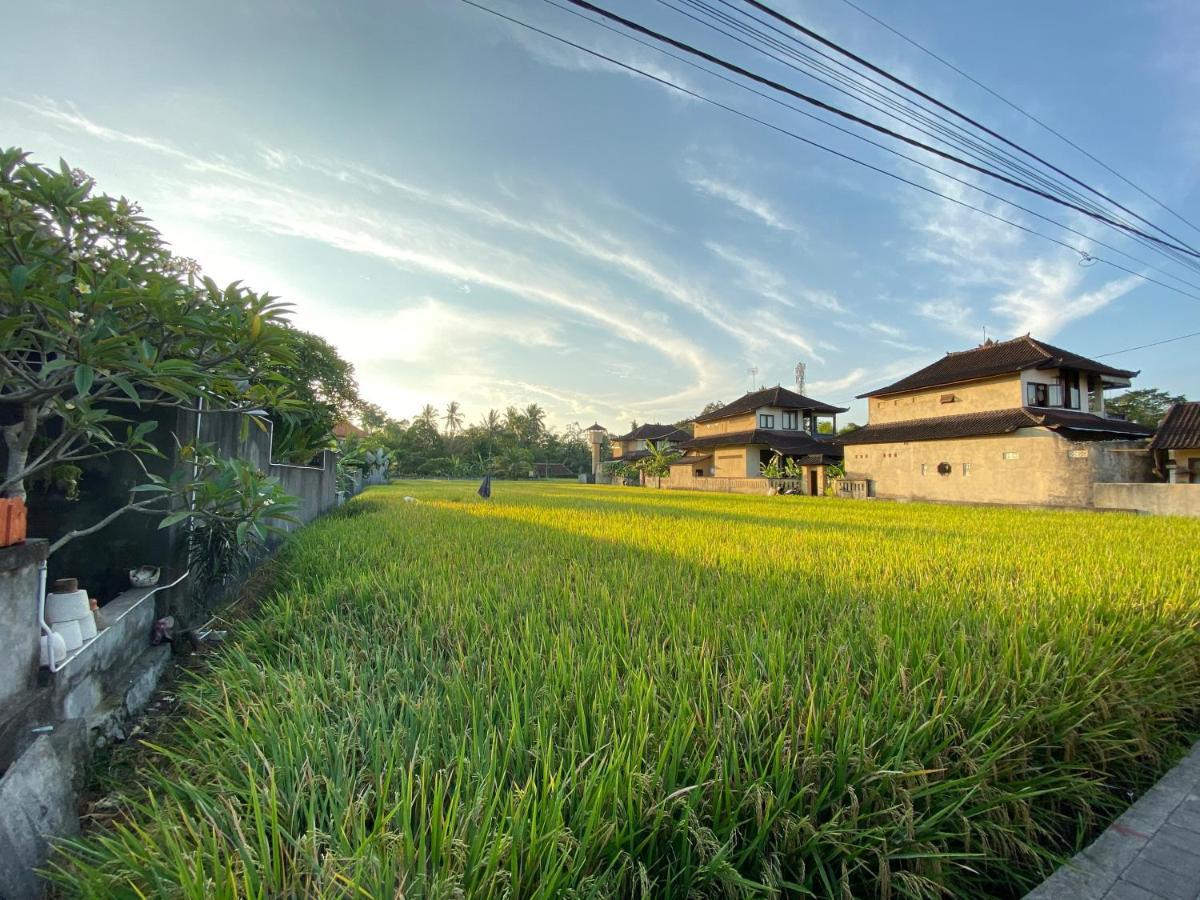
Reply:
x=576, y=690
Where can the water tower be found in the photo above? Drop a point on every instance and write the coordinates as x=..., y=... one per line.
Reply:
x=595, y=435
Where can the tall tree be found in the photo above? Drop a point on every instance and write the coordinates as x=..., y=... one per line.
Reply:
x=1146, y=406
x=453, y=418
x=428, y=416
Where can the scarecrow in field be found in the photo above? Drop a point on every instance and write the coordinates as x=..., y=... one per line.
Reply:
x=485, y=488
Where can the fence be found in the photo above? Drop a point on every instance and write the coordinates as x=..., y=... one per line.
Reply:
x=854, y=488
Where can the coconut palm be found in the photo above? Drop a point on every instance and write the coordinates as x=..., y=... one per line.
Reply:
x=429, y=416
x=453, y=418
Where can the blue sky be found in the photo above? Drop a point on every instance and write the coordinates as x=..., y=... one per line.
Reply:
x=470, y=211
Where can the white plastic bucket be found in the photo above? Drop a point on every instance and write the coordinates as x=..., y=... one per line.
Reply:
x=70, y=633
x=56, y=646
x=67, y=607
x=87, y=626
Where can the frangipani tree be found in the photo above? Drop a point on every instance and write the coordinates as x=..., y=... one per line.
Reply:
x=98, y=319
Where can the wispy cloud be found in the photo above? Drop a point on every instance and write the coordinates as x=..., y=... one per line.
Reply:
x=749, y=203
x=1021, y=287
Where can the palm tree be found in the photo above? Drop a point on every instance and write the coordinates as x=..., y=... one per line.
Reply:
x=491, y=422
x=453, y=418
x=535, y=421
x=514, y=422
x=429, y=415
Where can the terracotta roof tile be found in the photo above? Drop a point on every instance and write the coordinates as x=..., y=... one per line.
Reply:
x=1180, y=428
x=1000, y=421
x=996, y=358
x=774, y=396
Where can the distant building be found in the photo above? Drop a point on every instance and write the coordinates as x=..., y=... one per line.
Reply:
x=1176, y=444
x=730, y=445
x=1017, y=421
x=346, y=428
x=636, y=444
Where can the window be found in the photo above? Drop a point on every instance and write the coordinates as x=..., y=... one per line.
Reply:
x=791, y=420
x=944, y=468
x=947, y=398
x=924, y=468
x=1011, y=454
x=1037, y=394
x=1077, y=454
x=766, y=421
x=966, y=469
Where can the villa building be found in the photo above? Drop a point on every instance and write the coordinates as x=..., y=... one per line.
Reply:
x=730, y=445
x=1017, y=421
x=1176, y=444
x=636, y=444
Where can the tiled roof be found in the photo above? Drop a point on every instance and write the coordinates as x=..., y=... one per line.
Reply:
x=1180, y=428
x=997, y=358
x=775, y=396
x=1000, y=421
x=789, y=442
x=654, y=433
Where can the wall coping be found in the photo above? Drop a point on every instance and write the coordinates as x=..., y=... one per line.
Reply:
x=27, y=553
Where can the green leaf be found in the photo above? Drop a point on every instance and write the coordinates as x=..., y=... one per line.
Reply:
x=17, y=276
x=84, y=376
x=174, y=518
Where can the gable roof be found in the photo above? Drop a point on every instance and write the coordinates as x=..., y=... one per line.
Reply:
x=791, y=443
x=654, y=433
x=1180, y=428
x=996, y=358
x=774, y=396
x=1072, y=424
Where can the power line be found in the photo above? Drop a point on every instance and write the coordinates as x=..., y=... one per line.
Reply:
x=737, y=112
x=828, y=107
x=762, y=7
x=1182, y=337
x=948, y=132
x=956, y=135
x=1062, y=137
x=885, y=148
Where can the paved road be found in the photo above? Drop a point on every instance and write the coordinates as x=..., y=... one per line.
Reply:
x=1151, y=853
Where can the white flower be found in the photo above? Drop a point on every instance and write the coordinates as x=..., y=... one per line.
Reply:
x=76, y=315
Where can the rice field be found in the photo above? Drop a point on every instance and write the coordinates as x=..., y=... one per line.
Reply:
x=588, y=691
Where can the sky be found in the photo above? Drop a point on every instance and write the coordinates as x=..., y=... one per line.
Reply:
x=471, y=211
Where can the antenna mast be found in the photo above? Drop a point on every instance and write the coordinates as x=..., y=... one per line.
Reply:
x=753, y=370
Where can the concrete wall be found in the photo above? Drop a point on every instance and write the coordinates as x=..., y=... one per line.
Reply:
x=18, y=620
x=315, y=487
x=1158, y=499
x=976, y=396
x=1032, y=466
x=681, y=481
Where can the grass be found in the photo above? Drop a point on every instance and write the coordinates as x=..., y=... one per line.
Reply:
x=588, y=691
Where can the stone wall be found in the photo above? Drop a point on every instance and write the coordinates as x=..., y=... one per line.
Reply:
x=1032, y=466
x=1158, y=499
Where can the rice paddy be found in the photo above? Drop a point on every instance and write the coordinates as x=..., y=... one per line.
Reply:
x=588, y=691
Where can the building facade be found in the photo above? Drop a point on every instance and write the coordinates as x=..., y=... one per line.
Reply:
x=730, y=445
x=1014, y=422
x=1176, y=444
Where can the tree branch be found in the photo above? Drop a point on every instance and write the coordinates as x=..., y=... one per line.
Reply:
x=138, y=506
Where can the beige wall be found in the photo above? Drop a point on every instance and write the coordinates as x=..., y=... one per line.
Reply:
x=1159, y=499
x=748, y=422
x=736, y=462
x=1042, y=468
x=972, y=397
